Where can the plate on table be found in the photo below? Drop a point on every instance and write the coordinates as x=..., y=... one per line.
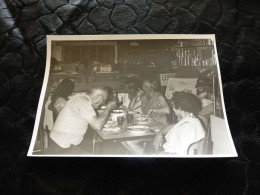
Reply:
x=143, y=116
x=110, y=124
x=133, y=112
x=143, y=119
x=138, y=129
x=111, y=129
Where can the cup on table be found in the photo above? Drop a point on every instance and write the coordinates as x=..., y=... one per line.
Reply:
x=136, y=121
x=130, y=119
x=120, y=120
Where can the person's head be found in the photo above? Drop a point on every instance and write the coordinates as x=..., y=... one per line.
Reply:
x=185, y=103
x=150, y=84
x=64, y=89
x=132, y=86
x=100, y=96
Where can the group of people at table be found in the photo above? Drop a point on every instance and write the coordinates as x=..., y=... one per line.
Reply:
x=75, y=114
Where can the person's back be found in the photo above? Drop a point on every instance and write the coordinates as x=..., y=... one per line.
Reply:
x=71, y=124
x=187, y=131
x=60, y=97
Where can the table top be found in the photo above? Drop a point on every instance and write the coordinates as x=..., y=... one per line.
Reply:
x=125, y=134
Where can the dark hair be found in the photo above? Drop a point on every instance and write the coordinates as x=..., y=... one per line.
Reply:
x=106, y=89
x=133, y=86
x=153, y=81
x=187, y=102
x=109, y=91
x=64, y=89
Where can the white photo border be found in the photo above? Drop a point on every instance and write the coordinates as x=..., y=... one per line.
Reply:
x=51, y=38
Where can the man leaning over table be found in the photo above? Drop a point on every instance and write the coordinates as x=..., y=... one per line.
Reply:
x=72, y=122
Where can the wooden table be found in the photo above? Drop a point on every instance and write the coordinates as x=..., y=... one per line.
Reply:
x=126, y=135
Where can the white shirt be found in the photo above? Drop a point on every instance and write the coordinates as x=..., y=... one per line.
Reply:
x=185, y=132
x=71, y=124
x=126, y=101
x=59, y=104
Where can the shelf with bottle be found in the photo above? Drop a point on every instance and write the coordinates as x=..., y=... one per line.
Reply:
x=192, y=47
x=193, y=57
x=194, y=43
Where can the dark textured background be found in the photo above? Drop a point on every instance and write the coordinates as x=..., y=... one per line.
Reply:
x=24, y=25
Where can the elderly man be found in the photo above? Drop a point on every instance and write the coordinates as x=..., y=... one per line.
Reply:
x=73, y=120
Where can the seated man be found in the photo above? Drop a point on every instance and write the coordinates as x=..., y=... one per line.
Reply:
x=73, y=120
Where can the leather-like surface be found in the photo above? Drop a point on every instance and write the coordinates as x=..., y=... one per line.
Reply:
x=24, y=25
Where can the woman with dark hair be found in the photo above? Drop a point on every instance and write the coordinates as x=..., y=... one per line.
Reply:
x=132, y=86
x=179, y=136
x=152, y=102
x=60, y=96
x=189, y=128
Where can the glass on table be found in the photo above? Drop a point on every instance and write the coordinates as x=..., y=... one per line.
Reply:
x=120, y=120
x=136, y=121
x=130, y=119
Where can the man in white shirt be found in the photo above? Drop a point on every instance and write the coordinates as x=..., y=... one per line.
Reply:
x=73, y=120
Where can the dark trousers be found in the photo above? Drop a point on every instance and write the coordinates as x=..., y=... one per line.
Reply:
x=54, y=148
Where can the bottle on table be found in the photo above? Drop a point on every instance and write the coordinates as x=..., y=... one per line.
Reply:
x=116, y=98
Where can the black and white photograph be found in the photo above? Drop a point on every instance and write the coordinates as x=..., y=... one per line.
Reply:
x=132, y=96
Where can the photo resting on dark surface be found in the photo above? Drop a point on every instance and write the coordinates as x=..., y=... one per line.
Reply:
x=132, y=96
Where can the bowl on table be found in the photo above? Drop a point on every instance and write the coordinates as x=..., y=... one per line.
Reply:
x=138, y=128
x=117, y=113
x=142, y=119
x=141, y=115
x=133, y=112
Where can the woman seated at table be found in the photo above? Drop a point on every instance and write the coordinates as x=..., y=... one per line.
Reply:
x=151, y=101
x=188, y=130
x=179, y=136
x=132, y=86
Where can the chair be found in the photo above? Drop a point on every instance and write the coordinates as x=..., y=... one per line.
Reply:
x=221, y=137
x=197, y=147
x=48, y=118
x=205, y=145
x=204, y=121
x=96, y=139
x=148, y=147
x=43, y=139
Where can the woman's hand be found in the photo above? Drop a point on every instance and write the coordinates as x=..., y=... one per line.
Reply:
x=150, y=111
x=158, y=141
x=139, y=93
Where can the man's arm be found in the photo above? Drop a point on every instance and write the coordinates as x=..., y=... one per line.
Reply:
x=97, y=122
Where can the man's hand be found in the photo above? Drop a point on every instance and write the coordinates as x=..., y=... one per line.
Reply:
x=158, y=141
x=112, y=105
